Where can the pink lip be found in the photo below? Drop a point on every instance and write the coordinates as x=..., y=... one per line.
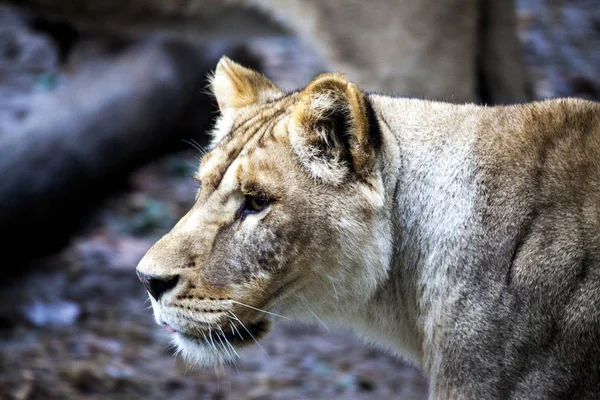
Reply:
x=169, y=328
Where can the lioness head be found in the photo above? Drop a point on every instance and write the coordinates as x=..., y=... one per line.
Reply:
x=289, y=219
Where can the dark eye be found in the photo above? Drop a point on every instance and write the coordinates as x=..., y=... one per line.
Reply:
x=254, y=205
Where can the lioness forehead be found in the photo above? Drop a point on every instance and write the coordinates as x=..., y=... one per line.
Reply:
x=251, y=135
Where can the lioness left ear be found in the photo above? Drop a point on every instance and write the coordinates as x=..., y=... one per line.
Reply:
x=332, y=130
x=235, y=86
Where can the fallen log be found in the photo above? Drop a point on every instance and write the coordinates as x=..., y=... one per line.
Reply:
x=85, y=137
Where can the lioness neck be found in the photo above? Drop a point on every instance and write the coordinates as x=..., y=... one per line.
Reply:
x=428, y=161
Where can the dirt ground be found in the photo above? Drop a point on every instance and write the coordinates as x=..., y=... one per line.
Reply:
x=81, y=328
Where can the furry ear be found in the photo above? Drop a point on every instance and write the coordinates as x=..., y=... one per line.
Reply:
x=333, y=129
x=235, y=86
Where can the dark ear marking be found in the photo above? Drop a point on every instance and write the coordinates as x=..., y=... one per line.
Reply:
x=335, y=131
x=344, y=133
x=375, y=137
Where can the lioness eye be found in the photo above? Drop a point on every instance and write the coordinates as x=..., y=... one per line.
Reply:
x=254, y=204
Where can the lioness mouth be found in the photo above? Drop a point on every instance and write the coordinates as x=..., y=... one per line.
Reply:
x=235, y=334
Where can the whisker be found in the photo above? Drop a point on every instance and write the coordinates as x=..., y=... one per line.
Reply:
x=187, y=369
x=318, y=319
x=204, y=149
x=175, y=355
x=258, y=309
x=313, y=314
x=233, y=361
x=212, y=342
x=252, y=336
x=169, y=347
x=205, y=339
x=223, y=339
x=223, y=345
x=203, y=333
x=228, y=343
x=334, y=288
x=236, y=330
x=195, y=145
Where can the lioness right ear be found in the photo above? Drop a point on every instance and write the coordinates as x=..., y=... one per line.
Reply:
x=332, y=129
x=235, y=86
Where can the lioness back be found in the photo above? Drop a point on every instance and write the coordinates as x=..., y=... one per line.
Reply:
x=465, y=238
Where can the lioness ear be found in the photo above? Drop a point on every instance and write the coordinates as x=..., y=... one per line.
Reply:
x=235, y=86
x=333, y=129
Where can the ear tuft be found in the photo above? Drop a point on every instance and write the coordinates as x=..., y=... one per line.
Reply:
x=330, y=129
x=235, y=86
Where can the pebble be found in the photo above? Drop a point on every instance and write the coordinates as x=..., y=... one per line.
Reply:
x=57, y=313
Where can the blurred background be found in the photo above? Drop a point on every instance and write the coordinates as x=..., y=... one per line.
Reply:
x=103, y=114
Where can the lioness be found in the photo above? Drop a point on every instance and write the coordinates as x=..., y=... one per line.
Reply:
x=452, y=50
x=465, y=238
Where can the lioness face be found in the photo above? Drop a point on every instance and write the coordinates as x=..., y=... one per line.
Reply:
x=286, y=223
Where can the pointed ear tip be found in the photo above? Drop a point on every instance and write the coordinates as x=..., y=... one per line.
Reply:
x=328, y=79
x=227, y=64
x=332, y=76
x=224, y=61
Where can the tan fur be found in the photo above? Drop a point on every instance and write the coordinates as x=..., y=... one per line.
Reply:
x=451, y=50
x=237, y=87
x=465, y=238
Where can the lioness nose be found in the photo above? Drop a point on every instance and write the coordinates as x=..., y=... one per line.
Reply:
x=157, y=285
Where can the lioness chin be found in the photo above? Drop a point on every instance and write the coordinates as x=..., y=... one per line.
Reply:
x=465, y=238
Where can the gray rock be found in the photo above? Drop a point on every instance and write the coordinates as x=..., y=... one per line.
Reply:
x=57, y=313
